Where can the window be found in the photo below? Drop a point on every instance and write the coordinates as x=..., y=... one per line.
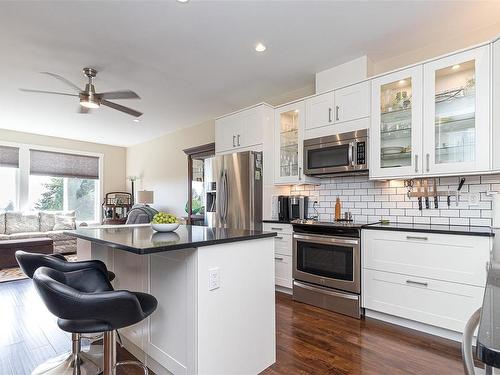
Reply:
x=34, y=179
x=9, y=168
x=61, y=181
x=8, y=189
x=62, y=193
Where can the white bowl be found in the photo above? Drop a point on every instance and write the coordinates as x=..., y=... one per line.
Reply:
x=165, y=227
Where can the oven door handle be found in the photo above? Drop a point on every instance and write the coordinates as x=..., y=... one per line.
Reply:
x=325, y=290
x=326, y=240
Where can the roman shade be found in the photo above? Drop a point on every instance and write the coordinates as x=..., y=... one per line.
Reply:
x=9, y=157
x=58, y=164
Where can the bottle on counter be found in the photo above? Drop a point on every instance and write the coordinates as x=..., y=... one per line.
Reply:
x=338, y=208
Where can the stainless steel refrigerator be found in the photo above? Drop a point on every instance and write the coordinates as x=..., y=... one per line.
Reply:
x=233, y=191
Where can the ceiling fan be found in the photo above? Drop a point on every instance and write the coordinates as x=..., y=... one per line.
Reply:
x=89, y=99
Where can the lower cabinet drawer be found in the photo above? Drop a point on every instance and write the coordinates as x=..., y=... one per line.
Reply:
x=283, y=244
x=278, y=228
x=438, y=303
x=283, y=270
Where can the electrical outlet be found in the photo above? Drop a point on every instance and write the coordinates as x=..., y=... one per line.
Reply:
x=474, y=199
x=213, y=278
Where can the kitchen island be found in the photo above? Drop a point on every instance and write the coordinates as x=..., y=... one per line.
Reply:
x=215, y=291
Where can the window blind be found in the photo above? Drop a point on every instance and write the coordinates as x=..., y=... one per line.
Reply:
x=9, y=156
x=58, y=164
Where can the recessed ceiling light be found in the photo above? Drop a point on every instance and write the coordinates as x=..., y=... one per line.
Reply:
x=182, y=1
x=402, y=82
x=259, y=47
x=455, y=67
x=136, y=120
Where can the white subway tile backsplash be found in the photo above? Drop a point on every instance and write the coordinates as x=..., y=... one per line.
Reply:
x=369, y=201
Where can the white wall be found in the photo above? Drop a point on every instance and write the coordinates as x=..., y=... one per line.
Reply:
x=113, y=174
x=161, y=165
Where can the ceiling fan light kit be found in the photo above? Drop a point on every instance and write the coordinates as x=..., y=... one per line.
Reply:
x=89, y=98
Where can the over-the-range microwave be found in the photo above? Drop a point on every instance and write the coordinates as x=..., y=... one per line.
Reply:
x=336, y=154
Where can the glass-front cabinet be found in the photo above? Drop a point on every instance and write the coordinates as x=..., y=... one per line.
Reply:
x=456, y=113
x=432, y=118
x=396, y=136
x=289, y=144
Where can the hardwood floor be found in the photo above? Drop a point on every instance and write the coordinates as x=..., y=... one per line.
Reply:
x=316, y=341
x=309, y=341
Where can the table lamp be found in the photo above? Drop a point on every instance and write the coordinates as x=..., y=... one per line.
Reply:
x=145, y=197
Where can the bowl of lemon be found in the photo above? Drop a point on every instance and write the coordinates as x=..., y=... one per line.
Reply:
x=163, y=222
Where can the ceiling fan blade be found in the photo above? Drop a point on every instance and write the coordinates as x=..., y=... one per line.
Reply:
x=121, y=108
x=83, y=110
x=62, y=79
x=47, y=92
x=124, y=94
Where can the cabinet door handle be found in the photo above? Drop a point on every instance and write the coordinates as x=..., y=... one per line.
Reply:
x=278, y=237
x=416, y=163
x=239, y=140
x=278, y=258
x=337, y=113
x=427, y=157
x=416, y=238
x=329, y=115
x=234, y=140
x=300, y=173
x=416, y=283
x=272, y=228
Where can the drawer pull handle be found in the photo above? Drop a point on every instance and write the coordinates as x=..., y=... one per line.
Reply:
x=416, y=283
x=276, y=228
x=278, y=258
x=416, y=238
x=278, y=237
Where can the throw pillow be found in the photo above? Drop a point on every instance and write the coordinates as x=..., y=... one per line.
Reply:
x=64, y=222
x=21, y=222
x=48, y=219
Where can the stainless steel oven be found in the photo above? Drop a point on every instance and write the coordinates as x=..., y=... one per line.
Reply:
x=327, y=267
x=340, y=153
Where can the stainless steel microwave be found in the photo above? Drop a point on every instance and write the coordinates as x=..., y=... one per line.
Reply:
x=340, y=153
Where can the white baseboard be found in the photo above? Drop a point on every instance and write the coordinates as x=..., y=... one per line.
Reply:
x=284, y=290
x=422, y=327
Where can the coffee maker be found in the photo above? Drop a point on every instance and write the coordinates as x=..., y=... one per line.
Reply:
x=297, y=207
x=283, y=210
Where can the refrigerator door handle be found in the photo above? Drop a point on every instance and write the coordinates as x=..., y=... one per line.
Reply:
x=220, y=199
x=226, y=195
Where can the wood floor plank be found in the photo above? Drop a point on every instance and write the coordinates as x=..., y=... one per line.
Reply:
x=309, y=341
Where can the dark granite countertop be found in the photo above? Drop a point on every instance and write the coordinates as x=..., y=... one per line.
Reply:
x=434, y=228
x=276, y=221
x=144, y=240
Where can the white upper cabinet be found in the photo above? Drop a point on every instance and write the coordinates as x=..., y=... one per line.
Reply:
x=457, y=113
x=319, y=110
x=496, y=105
x=289, y=144
x=433, y=119
x=352, y=102
x=241, y=130
x=396, y=126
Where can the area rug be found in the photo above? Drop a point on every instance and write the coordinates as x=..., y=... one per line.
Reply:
x=15, y=273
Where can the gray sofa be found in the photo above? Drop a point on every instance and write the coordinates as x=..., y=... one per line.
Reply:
x=51, y=224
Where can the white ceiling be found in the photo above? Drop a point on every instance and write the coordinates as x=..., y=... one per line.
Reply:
x=195, y=61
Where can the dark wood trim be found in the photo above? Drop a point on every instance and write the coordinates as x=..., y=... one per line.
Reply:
x=198, y=152
x=190, y=189
x=201, y=151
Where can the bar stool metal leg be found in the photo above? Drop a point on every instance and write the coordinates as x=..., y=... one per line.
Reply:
x=69, y=363
x=109, y=363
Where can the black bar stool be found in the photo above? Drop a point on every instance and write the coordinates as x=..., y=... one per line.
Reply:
x=65, y=363
x=82, y=311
